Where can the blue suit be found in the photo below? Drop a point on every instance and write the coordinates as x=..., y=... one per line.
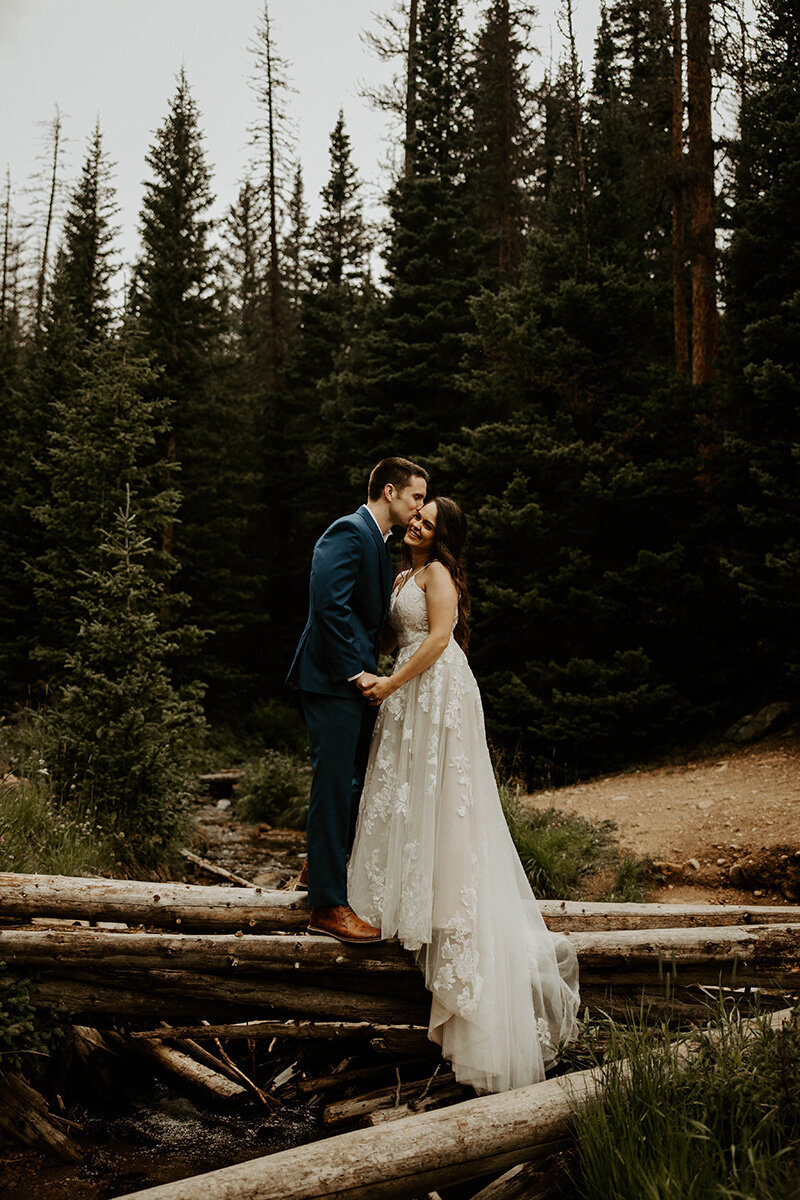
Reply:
x=349, y=592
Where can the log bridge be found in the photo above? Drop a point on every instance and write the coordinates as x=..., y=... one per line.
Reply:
x=162, y=960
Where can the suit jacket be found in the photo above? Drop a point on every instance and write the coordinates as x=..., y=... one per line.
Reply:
x=349, y=593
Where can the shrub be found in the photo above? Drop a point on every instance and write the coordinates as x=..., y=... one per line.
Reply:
x=26, y=1033
x=275, y=788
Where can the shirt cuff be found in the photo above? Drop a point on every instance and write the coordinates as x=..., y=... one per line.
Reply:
x=353, y=678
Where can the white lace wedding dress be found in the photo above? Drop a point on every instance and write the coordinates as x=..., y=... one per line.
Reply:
x=433, y=864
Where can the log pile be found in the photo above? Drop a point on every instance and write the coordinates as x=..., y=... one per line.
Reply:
x=218, y=988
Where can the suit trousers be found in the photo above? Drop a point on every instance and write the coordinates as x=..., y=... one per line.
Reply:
x=340, y=731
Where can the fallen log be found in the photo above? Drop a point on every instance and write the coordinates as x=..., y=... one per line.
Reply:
x=191, y=906
x=401, y=1036
x=181, y=905
x=408, y=1157
x=622, y=959
x=179, y=996
x=197, y=1076
x=214, y=869
x=24, y=1118
x=344, y=1112
x=528, y=1181
x=435, y=1099
x=588, y=916
x=326, y=1083
x=256, y=953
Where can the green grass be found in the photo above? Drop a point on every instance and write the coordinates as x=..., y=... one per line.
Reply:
x=275, y=788
x=630, y=880
x=558, y=850
x=723, y=1126
x=38, y=837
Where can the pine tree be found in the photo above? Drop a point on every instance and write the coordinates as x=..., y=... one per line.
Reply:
x=758, y=469
x=303, y=434
x=502, y=152
x=402, y=390
x=101, y=440
x=174, y=281
x=88, y=240
x=179, y=307
x=583, y=478
x=295, y=252
x=116, y=739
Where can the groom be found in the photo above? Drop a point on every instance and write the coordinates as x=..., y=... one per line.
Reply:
x=335, y=662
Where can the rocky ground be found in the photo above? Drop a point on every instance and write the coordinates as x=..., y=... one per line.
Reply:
x=722, y=825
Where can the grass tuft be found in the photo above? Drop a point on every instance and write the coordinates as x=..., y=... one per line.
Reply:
x=630, y=879
x=557, y=849
x=38, y=837
x=723, y=1126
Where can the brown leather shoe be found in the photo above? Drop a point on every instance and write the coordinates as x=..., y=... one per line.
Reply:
x=302, y=882
x=342, y=923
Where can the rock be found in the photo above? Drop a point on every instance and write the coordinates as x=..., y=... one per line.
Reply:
x=737, y=876
x=694, y=864
x=789, y=892
x=751, y=726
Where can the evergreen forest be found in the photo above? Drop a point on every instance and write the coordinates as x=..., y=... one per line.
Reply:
x=581, y=315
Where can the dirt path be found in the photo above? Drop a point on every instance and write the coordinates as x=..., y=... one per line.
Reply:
x=726, y=822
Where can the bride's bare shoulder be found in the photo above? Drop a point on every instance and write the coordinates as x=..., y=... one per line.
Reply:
x=436, y=574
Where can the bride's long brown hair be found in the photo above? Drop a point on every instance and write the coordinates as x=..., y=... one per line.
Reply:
x=449, y=537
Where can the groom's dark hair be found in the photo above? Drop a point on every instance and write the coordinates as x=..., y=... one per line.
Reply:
x=397, y=471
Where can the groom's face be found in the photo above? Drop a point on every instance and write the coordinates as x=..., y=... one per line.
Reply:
x=405, y=504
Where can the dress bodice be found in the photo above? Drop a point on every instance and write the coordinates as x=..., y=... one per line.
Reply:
x=408, y=613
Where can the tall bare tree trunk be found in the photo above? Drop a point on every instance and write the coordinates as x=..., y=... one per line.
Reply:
x=701, y=164
x=411, y=91
x=274, y=260
x=679, y=289
x=56, y=127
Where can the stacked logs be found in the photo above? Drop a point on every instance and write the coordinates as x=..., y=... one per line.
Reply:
x=142, y=968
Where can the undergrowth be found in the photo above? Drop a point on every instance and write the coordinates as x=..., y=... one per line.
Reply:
x=39, y=837
x=558, y=850
x=275, y=789
x=722, y=1125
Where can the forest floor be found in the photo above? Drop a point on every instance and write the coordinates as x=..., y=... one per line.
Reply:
x=721, y=825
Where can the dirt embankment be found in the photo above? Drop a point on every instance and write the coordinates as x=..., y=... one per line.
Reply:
x=726, y=822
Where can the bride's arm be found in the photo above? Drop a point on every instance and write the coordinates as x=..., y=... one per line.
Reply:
x=441, y=598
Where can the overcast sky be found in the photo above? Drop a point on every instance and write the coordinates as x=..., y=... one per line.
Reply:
x=117, y=60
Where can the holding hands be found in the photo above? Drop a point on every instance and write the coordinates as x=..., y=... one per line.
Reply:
x=374, y=687
x=380, y=689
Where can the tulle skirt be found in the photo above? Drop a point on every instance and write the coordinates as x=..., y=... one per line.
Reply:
x=433, y=864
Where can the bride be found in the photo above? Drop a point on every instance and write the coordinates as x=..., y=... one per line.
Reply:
x=433, y=863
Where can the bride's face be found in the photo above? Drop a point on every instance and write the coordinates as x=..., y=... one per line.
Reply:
x=421, y=531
